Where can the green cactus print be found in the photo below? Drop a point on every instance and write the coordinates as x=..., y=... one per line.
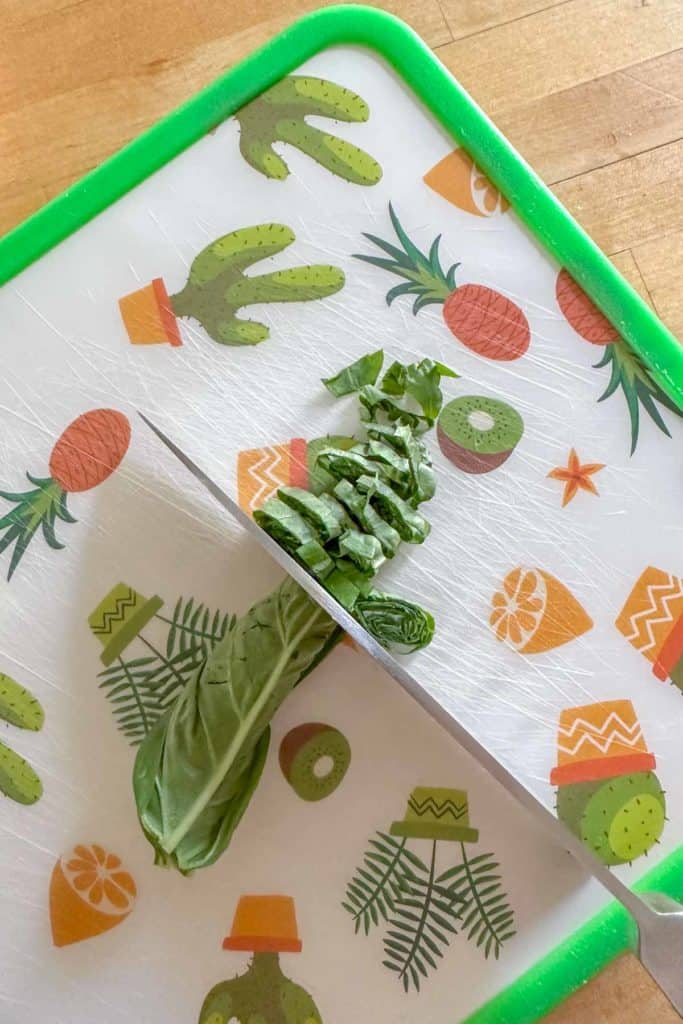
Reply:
x=262, y=995
x=20, y=708
x=218, y=287
x=279, y=115
x=620, y=818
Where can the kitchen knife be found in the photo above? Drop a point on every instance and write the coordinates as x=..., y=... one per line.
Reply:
x=659, y=918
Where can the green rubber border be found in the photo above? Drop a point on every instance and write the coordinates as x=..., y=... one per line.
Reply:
x=611, y=932
x=450, y=104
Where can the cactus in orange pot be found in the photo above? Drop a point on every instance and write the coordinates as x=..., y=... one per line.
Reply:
x=217, y=288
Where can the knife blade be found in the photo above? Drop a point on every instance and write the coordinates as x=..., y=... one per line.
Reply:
x=659, y=918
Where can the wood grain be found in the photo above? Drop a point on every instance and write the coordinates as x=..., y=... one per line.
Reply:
x=560, y=47
x=595, y=123
x=629, y=202
x=660, y=264
x=591, y=92
x=623, y=994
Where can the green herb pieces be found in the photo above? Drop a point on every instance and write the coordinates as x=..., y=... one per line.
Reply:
x=400, y=626
x=409, y=524
x=365, y=370
x=362, y=549
x=284, y=524
x=314, y=557
x=319, y=480
x=342, y=588
x=361, y=580
x=374, y=402
x=196, y=771
x=367, y=517
x=323, y=517
x=345, y=465
x=420, y=381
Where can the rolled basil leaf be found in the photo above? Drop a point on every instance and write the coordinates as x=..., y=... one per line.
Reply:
x=400, y=626
x=314, y=557
x=284, y=524
x=367, y=517
x=409, y=524
x=325, y=520
x=362, y=549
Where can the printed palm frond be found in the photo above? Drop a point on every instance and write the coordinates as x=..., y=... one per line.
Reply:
x=194, y=625
x=141, y=689
x=136, y=705
x=426, y=915
x=486, y=916
x=388, y=868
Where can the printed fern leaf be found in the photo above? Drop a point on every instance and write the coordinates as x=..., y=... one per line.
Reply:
x=487, y=917
x=135, y=704
x=388, y=867
x=141, y=689
x=426, y=916
x=195, y=626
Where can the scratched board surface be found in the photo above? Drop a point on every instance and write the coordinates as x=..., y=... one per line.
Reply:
x=385, y=871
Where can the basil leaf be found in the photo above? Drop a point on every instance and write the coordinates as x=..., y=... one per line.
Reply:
x=400, y=626
x=196, y=771
x=422, y=384
x=365, y=370
x=394, y=380
x=420, y=381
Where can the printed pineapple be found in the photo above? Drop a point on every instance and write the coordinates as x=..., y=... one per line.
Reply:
x=480, y=318
x=628, y=373
x=85, y=454
x=218, y=288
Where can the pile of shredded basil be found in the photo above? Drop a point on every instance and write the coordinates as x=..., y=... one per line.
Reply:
x=343, y=535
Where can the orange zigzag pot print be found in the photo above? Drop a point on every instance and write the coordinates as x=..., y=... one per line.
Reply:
x=652, y=621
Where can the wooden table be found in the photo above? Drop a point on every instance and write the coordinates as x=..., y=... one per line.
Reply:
x=590, y=91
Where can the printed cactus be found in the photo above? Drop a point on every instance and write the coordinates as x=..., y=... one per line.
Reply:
x=619, y=818
x=608, y=794
x=279, y=115
x=19, y=707
x=266, y=927
x=218, y=287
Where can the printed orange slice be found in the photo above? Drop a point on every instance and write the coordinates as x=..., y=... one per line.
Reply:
x=458, y=179
x=534, y=612
x=90, y=892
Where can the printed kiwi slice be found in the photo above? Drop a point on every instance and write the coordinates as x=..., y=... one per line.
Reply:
x=314, y=759
x=478, y=434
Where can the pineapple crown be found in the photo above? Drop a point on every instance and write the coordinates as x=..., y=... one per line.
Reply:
x=423, y=276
